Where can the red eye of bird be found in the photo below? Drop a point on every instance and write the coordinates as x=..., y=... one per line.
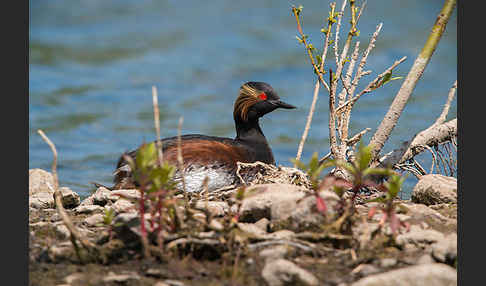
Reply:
x=262, y=96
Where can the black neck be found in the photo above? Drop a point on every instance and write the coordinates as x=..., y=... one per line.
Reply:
x=251, y=134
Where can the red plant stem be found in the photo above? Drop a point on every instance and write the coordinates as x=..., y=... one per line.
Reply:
x=142, y=215
x=159, y=209
x=355, y=192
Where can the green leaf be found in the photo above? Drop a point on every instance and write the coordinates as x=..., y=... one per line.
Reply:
x=377, y=200
x=146, y=156
x=240, y=194
x=364, y=157
x=394, y=185
x=377, y=171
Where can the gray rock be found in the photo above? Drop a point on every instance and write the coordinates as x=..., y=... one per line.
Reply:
x=100, y=197
x=435, y=189
x=127, y=226
x=62, y=231
x=305, y=214
x=274, y=252
x=425, y=259
x=283, y=272
x=262, y=224
x=61, y=252
x=94, y=220
x=38, y=180
x=388, y=262
x=173, y=282
x=88, y=209
x=130, y=194
x=365, y=270
x=123, y=206
x=69, y=199
x=121, y=278
x=43, y=200
x=252, y=229
x=424, y=274
x=445, y=250
x=419, y=236
x=272, y=201
x=419, y=211
x=280, y=234
x=73, y=278
x=216, y=225
x=216, y=209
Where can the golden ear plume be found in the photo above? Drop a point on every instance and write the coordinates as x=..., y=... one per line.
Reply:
x=247, y=98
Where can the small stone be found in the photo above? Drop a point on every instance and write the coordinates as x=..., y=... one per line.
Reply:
x=94, y=220
x=157, y=272
x=274, y=252
x=72, y=278
x=216, y=209
x=445, y=250
x=121, y=278
x=435, y=189
x=88, y=209
x=419, y=236
x=425, y=259
x=281, y=234
x=435, y=274
x=61, y=252
x=388, y=262
x=272, y=201
x=42, y=200
x=252, y=229
x=39, y=180
x=174, y=283
x=133, y=195
x=100, y=197
x=122, y=206
x=216, y=225
x=69, y=199
x=365, y=270
x=283, y=272
x=62, y=231
x=262, y=224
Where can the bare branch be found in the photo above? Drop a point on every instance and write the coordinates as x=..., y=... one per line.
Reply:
x=54, y=161
x=447, y=105
x=155, y=102
x=180, y=160
x=58, y=200
x=355, y=139
x=391, y=118
x=336, y=40
x=368, y=88
x=429, y=137
x=316, y=87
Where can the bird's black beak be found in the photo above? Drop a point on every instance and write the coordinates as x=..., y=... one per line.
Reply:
x=281, y=104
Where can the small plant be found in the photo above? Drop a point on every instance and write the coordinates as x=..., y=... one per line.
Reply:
x=360, y=176
x=108, y=221
x=314, y=170
x=388, y=205
x=156, y=189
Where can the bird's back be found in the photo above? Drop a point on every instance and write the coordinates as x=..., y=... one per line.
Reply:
x=211, y=156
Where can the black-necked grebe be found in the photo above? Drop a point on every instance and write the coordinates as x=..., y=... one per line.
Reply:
x=216, y=157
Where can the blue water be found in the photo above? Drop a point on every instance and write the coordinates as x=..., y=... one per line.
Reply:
x=92, y=65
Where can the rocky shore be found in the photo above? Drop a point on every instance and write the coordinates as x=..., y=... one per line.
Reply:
x=281, y=238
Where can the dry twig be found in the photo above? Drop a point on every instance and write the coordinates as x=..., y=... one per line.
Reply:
x=75, y=234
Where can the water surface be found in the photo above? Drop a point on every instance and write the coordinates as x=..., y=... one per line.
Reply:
x=92, y=65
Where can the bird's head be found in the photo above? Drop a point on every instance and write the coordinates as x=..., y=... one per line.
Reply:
x=255, y=100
